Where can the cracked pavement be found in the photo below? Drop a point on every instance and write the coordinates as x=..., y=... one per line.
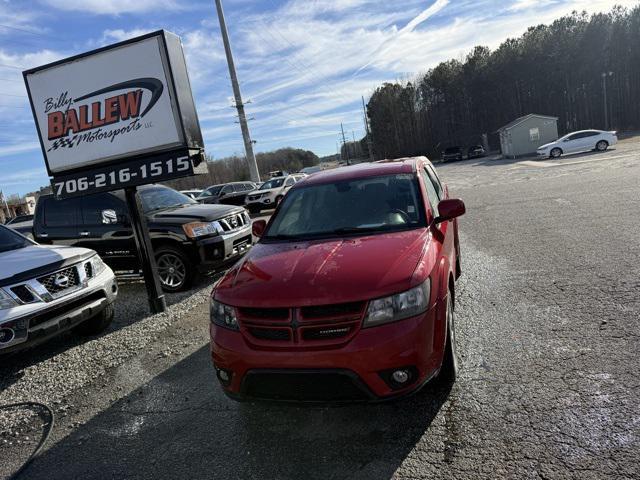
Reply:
x=547, y=322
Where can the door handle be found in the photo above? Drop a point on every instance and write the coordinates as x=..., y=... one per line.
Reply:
x=44, y=235
x=84, y=234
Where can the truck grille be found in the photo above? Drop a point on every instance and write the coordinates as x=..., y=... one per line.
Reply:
x=23, y=293
x=234, y=222
x=302, y=327
x=60, y=282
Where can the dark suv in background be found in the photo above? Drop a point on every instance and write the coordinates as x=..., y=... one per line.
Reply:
x=233, y=193
x=452, y=153
x=187, y=237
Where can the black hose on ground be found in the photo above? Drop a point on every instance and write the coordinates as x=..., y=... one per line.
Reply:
x=43, y=438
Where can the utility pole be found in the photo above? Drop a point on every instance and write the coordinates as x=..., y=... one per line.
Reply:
x=604, y=95
x=366, y=128
x=344, y=142
x=248, y=144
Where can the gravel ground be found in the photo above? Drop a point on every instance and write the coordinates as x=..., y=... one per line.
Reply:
x=53, y=371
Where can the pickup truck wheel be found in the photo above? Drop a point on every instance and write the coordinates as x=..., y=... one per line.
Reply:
x=450, y=365
x=174, y=269
x=97, y=324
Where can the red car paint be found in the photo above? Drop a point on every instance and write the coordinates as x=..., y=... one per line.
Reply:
x=313, y=288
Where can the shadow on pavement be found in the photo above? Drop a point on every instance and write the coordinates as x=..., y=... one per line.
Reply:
x=180, y=425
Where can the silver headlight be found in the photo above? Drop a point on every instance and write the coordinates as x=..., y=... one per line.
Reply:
x=6, y=301
x=223, y=315
x=97, y=265
x=399, y=306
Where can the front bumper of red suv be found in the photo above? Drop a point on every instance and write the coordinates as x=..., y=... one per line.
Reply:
x=359, y=370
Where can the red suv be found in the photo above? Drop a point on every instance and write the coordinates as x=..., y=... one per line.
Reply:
x=349, y=294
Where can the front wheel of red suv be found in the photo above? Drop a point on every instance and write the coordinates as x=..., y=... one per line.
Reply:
x=450, y=362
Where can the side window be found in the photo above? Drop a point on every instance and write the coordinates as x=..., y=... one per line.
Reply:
x=290, y=181
x=431, y=192
x=94, y=205
x=435, y=180
x=227, y=189
x=247, y=187
x=575, y=136
x=61, y=213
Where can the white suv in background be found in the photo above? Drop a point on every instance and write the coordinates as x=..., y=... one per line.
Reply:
x=45, y=290
x=581, y=141
x=271, y=192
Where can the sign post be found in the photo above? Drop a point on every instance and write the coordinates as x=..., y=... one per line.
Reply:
x=116, y=118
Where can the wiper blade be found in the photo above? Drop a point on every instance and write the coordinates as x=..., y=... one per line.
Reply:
x=357, y=230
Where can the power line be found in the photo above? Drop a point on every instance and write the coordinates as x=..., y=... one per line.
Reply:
x=11, y=66
x=29, y=32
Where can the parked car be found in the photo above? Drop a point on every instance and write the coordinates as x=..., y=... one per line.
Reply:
x=581, y=141
x=228, y=194
x=310, y=170
x=349, y=293
x=191, y=193
x=46, y=290
x=19, y=219
x=25, y=227
x=187, y=237
x=270, y=193
x=475, y=151
x=452, y=153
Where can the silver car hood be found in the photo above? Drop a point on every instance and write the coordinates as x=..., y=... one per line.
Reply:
x=15, y=262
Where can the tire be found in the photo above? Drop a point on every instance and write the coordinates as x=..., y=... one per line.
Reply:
x=555, y=153
x=175, y=270
x=254, y=209
x=97, y=324
x=602, y=145
x=450, y=363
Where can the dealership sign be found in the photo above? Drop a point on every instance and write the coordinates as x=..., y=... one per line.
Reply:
x=121, y=107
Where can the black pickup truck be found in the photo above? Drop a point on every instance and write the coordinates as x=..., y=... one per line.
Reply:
x=187, y=237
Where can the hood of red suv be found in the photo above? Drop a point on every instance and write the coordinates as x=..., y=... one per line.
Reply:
x=322, y=272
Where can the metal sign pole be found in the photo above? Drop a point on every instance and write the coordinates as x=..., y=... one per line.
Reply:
x=157, y=302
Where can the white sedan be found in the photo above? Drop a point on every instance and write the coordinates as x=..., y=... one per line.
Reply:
x=581, y=141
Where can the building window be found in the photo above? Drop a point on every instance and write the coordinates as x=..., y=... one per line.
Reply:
x=534, y=134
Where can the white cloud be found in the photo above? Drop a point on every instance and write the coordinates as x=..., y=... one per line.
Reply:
x=115, y=7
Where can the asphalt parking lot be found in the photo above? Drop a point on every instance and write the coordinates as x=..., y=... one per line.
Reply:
x=547, y=323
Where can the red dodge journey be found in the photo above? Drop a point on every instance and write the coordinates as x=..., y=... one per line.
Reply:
x=349, y=294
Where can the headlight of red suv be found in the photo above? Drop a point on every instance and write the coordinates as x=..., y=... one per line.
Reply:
x=223, y=315
x=399, y=306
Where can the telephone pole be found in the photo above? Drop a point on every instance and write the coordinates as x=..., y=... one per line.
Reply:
x=248, y=144
x=366, y=127
x=344, y=142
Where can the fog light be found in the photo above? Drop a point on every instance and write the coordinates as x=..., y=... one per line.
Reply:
x=224, y=376
x=400, y=376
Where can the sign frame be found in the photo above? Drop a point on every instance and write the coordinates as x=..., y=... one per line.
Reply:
x=178, y=89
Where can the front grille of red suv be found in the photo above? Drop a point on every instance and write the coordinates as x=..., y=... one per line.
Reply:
x=317, y=325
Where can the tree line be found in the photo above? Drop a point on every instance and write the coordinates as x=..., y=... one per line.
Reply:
x=554, y=69
x=235, y=168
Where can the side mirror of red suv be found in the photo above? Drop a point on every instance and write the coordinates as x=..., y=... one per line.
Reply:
x=449, y=209
x=258, y=227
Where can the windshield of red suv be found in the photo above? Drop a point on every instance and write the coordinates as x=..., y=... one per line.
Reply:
x=365, y=205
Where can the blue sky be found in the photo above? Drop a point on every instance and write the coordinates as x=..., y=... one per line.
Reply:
x=303, y=64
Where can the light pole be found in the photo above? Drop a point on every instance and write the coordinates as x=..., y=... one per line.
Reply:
x=604, y=95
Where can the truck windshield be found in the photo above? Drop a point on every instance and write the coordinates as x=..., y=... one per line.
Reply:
x=275, y=183
x=359, y=206
x=10, y=240
x=160, y=198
